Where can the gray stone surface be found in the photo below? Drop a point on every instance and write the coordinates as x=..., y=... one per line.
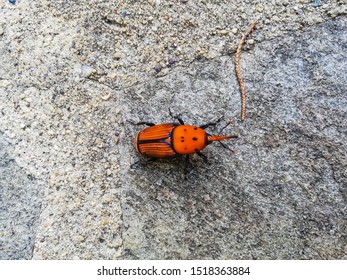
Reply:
x=283, y=195
x=20, y=205
x=74, y=75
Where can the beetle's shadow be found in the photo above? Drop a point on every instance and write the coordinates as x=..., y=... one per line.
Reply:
x=163, y=172
x=178, y=169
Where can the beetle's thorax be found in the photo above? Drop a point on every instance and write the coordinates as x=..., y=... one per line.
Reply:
x=188, y=139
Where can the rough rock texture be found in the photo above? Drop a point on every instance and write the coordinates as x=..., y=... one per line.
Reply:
x=283, y=195
x=20, y=202
x=64, y=129
x=76, y=75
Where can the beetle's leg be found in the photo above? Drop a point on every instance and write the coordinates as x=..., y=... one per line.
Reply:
x=147, y=161
x=176, y=117
x=226, y=147
x=229, y=123
x=202, y=156
x=210, y=124
x=133, y=164
x=146, y=123
x=186, y=165
x=140, y=123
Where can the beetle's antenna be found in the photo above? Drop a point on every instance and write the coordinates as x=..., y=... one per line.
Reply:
x=226, y=147
x=219, y=137
x=224, y=127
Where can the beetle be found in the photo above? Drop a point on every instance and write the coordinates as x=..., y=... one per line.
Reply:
x=170, y=140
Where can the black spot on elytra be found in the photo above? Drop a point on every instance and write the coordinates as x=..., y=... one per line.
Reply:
x=195, y=128
x=185, y=130
x=194, y=138
x=182, y=141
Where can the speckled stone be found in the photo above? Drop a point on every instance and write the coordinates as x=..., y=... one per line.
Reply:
x=20, y=206
x=71, y=130
x=282, y=196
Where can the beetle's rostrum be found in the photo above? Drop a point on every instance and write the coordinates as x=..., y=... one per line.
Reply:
x=172, y=139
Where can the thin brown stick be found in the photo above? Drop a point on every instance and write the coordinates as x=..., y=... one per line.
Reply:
x=238, y=71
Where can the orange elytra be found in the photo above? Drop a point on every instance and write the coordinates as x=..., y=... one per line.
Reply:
x=172, y=139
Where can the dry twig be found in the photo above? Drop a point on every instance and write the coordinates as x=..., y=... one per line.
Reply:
x=238, y=72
